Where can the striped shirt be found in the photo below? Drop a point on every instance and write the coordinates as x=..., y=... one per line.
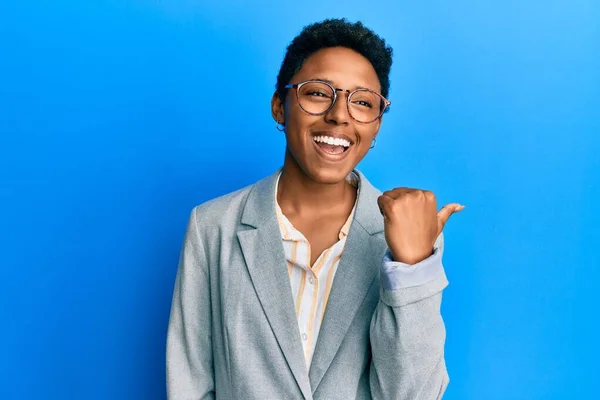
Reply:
x=311, y=284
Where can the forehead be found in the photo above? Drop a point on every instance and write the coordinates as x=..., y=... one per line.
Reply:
x=344, y=67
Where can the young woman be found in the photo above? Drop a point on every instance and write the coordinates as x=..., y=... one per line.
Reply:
x=311, y=284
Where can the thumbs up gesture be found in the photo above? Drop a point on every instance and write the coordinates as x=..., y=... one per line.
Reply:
x=412, y=222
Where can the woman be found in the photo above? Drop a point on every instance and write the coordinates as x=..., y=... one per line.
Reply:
x=311, y=283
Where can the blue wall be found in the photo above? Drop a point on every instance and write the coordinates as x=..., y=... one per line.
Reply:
x=107, y=141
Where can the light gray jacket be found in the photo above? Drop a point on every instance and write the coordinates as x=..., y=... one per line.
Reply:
x=233, y=332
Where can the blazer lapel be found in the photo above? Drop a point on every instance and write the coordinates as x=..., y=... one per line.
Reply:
x=265, y=258
x=358, y=267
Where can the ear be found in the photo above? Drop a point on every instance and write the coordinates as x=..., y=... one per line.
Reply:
x=277, y=110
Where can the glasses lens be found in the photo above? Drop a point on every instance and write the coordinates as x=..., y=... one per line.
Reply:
x=315, y=97
x=365, y=106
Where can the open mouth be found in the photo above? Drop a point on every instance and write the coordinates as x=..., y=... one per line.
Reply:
x=332, y=146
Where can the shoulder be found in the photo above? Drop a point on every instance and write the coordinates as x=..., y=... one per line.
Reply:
x=225, y=212
x=222, y=204
x=367, y=210
x=215, y=211
x=365, y=184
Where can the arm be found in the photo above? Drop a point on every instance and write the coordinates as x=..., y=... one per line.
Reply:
x=407, y=331
x=189, y=341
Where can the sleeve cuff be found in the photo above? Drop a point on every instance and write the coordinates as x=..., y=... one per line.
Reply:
x=415, y=294
x=397, y=275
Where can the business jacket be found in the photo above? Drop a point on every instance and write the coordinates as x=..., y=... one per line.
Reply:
x=233, y=332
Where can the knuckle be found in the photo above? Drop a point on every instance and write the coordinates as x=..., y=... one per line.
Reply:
x=417, y=194
x=429, y=195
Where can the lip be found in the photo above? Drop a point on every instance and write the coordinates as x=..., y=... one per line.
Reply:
x=332, y=157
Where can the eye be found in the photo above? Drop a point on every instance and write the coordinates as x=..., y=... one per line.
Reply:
x=317, y=93
x=364, y=99
x=363, y=103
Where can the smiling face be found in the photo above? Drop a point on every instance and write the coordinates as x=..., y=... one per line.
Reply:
x=316, y=144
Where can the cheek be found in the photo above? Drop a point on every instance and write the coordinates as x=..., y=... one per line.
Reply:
x=291, y=108
x=367, y=134
x=298, y=123
x=363, y=149
x=295, y=116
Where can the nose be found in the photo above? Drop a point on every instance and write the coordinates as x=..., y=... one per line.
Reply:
x=338, y=114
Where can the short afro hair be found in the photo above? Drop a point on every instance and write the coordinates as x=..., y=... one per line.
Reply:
x=333, y=33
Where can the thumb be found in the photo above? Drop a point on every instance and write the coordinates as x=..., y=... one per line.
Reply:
x=446, y=211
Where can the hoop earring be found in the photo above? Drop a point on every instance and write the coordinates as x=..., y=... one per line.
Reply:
x=280, y=127
x=373, y=143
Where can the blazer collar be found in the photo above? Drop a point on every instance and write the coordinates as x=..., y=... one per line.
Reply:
x=260, y=205
x=263, y=252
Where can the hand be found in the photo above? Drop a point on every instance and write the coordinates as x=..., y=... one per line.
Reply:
x=412, y=223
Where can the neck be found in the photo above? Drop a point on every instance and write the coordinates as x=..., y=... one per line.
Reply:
x=297, y=193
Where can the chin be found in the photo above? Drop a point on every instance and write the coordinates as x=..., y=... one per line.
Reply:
x=319, y=171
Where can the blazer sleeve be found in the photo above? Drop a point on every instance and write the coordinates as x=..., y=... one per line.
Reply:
x=189, y=355
x=407, y=336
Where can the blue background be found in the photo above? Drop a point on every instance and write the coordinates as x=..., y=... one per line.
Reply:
x=117, y=117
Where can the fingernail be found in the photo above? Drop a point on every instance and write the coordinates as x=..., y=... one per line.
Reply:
x=460, y=208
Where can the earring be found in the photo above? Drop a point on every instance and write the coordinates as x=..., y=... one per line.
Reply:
x=373, y=143
x=280, y=126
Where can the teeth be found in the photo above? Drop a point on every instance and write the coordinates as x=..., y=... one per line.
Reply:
x=332, y=141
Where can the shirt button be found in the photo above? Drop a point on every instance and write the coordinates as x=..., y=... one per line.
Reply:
x=311, y=280
x=304, y=336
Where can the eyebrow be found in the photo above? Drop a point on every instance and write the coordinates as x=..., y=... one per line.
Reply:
x=332, y=84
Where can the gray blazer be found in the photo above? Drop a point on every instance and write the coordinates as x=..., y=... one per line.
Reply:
x=233, y=332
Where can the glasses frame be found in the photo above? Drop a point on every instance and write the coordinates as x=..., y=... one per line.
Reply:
x=297, y=86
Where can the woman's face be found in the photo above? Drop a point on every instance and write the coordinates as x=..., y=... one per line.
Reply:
x=343, y=68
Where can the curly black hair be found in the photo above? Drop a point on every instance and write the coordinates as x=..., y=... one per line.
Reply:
x=333, y=33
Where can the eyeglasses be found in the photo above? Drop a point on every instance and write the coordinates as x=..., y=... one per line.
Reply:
x=317, y=97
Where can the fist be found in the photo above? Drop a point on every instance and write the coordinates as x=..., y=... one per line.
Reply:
x=412, y=222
